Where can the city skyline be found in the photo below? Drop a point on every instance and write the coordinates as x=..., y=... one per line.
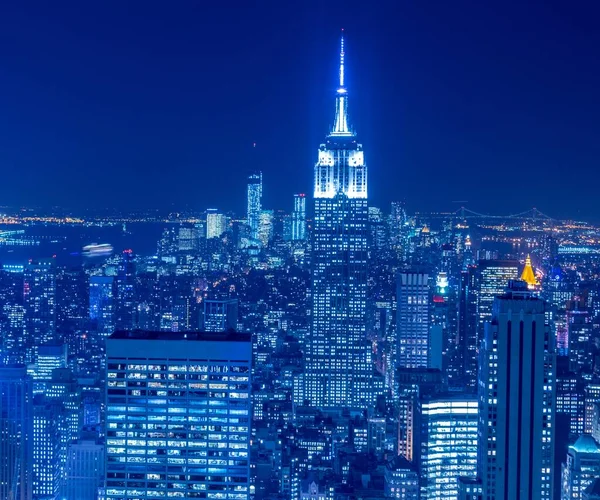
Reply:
x=488, y=126
x=322, y=343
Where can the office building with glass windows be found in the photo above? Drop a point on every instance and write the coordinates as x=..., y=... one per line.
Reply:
x=178, y=415
x=447, y=442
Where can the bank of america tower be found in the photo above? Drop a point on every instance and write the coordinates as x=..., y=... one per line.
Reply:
x=339, y=369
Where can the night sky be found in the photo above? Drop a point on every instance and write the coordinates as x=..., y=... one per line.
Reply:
x=158, y=104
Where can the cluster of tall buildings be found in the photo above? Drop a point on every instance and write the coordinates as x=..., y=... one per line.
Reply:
x=348, y=353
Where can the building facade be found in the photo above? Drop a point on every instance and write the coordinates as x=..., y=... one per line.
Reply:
x=216, y=223
x=413, y=320
x=220, y=315
x=102, y=304
x=178, y=415
x=254, y=203
x=517, y=399
x=39, y=299
x=16, y=447
x=299, y=218
x=447, y=444
x=84, y=469
x=492, y=279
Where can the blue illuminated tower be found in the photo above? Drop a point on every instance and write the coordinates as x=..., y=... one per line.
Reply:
x=254, y=203
x=338, y=370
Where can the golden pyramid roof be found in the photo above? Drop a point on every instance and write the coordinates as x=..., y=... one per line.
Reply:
x=528, y=276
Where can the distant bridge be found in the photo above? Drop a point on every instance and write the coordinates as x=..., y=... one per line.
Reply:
x=533, y=215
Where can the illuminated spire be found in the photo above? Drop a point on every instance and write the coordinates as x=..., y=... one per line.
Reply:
x=342, y=62
x=528, y=276
x=341, y=126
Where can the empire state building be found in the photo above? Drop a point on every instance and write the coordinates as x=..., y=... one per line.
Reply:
x=338, y=364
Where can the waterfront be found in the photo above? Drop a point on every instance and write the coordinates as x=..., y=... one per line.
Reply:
x=65, y=241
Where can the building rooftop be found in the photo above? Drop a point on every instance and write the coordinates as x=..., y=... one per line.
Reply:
x=228, y=336
x=586, y=444
x=528, y=276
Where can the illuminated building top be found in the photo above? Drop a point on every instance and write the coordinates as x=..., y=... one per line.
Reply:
x=341, y=165
x=528, y=276
x=341, y=127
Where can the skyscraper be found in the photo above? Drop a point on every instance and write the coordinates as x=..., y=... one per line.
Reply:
x=265, y=227
x=468, y=344
x=516, y=399
x=216, y=223
x=299, y=218
x=49, y=454
x=39, y=294
x=13, y=339
x=125, y=307
x=15, y=433
x=220, y=315
x=183, y=400
x=447, y=444
x=338, y=368
x=101, y=304
x=254, y=203
x=412, y=321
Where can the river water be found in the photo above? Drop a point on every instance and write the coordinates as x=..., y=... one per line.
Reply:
x=65, y=242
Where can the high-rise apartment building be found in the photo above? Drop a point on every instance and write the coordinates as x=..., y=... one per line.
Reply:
x=179, y=404
x=49, y=452
x=39, y=299
x=254, y=203
x=299, y=218
x=516, y=399
x=15, y=433
x=413, y=320
x=102, y=304
x=339, y=368
x=468, y=339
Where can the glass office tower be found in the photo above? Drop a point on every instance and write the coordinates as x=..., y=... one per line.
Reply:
x=178, y=415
